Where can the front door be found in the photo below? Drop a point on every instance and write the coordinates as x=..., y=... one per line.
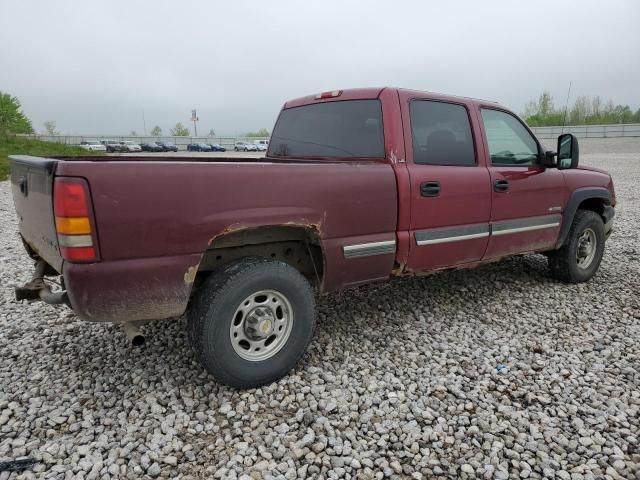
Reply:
x=527, y=198
x=450, y=188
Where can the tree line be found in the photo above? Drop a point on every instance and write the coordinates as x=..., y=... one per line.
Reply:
x=584, y=111
x=12, y=118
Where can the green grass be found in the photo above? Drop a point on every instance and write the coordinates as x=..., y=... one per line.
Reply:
x=24, y=146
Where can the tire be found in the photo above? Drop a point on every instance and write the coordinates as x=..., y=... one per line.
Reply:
x=579, y=258
x=219, y=313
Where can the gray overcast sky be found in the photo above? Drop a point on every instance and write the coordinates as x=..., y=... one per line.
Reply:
x=93, y=66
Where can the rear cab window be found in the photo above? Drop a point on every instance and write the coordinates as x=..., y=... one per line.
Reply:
x=441, y=134
x=337, y=129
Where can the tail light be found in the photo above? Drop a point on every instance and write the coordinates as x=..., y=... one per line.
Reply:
x=74, y=220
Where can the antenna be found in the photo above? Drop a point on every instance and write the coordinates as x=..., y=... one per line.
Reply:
x=566, y=106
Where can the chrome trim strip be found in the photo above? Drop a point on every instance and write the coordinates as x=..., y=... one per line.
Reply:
x=75, y=240
x=451, y=239
x=469, y=232
x=451, y=234
x=525, y=229
x=518, y=225
x=368, y=249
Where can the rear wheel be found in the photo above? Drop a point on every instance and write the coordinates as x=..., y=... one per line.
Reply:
x=251, y=321
x=579, y=258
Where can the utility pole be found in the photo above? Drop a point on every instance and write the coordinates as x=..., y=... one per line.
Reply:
x=194, y=119
x=144, y=123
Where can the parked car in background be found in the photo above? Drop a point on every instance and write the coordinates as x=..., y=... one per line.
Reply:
x=216, y=147
x=168, y=146
x=198, y=147
x=260, y=147
x=245, y=147
x=112, y=145
x=93, y=146
x=264, y=143
x=129, y=146
x=151, y=147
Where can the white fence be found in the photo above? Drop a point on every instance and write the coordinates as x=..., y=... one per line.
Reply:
x=590, y=131
x=181, y=142
x=580, y=131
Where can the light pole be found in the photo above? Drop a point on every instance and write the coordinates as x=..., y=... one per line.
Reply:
x=194, y=119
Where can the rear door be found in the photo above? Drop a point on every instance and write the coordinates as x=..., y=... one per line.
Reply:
x=450, y=188
x=527, y=198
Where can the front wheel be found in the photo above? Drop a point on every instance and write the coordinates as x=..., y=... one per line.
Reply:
x=251, y=321
x=579, y=258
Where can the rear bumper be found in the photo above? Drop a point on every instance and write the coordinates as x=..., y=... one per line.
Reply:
x=131, y=290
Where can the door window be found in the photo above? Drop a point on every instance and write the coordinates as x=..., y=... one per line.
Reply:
x=441, y=134
x=510, y=143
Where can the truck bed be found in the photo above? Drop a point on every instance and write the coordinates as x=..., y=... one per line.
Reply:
x=156, y=217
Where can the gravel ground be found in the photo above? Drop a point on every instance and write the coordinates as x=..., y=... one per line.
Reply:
x=497, y=372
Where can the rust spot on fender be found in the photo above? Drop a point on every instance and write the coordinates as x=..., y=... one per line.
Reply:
x=190, y=274
x=307, y=225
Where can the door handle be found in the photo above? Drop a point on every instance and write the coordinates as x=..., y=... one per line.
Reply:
x=501, y=186
x=430, y=189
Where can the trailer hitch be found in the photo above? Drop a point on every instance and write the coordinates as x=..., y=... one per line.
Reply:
x=37, y=289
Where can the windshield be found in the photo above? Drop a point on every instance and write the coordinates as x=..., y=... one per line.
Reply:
x=351, y=128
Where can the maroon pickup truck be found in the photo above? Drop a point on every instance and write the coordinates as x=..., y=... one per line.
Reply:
x=356, y=186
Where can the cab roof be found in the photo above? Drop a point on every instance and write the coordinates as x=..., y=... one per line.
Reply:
x=373, y=93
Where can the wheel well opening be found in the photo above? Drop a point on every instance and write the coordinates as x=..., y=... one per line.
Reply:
x=298, y=246
x=593, y=204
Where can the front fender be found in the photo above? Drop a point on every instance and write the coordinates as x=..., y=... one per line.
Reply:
x=575, y=199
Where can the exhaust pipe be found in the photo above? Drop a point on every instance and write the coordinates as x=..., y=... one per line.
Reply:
x=53, y=298
x=134, y=334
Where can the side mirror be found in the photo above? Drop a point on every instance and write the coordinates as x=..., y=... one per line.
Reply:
x=568, y=152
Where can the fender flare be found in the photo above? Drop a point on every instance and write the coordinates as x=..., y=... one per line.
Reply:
x=576, y=198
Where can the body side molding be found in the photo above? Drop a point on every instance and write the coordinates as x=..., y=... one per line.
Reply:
x=368, y=249
x=451, y=234
x=505, y=227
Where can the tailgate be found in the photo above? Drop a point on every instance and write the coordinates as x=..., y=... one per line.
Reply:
x=32, y=189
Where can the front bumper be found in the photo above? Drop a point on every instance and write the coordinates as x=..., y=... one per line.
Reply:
x=608, y=214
